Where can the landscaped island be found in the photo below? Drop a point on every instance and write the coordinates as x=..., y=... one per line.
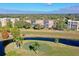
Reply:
x=45, y=48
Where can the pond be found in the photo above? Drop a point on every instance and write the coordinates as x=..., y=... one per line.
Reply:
x=3, y=44
x=70, y=42
x=1, y=49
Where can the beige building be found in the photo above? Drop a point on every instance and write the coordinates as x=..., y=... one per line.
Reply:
x=39, y=22
x=4, y=21
x=51, y=23
x=45, y=23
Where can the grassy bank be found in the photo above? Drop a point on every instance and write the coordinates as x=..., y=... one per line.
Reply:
x=46, y=49
x=74, y=35
x=51, y=33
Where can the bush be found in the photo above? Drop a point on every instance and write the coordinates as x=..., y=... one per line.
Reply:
x=9, y=24
x=60, y=25
x=19, y=24
x=56, y=40
x=27, y=25
x=5, y=34
x=15, y=32
x=42, y=26
x=22, y=24
x=37, y=26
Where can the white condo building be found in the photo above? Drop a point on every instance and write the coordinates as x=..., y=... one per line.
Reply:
x=74, y=25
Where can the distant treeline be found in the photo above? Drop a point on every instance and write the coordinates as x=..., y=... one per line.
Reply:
x=42, y=16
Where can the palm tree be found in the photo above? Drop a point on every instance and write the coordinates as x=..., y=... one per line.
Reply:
x=17, y=36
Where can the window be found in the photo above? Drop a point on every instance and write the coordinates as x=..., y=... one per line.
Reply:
x=33, y=22
x=74, y=23
x=46, y=23
x=74, y=27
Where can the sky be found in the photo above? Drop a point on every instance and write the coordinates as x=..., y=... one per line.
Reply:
x=39, y=7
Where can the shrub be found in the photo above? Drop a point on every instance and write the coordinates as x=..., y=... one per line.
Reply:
x=9, y=24
x=15, y=32
x=18, y=24
x=56, y=40
x=5, y=34
x=60, y=25
x=26, y=25
x=22, y=24
x=42, y=26
x=37, y=26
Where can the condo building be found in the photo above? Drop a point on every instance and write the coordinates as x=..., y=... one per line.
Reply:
x=45, y=23
x=4, y=21
x=74, y=25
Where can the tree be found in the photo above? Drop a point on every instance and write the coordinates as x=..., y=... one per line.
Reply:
x=22, y=24
x=9, y=24
x=37, y=26
x=60, y=25
x=15, y=32
x=4, y=32
x=26, y=25
x=19, y=24
x=17, y=36
x=34, y=46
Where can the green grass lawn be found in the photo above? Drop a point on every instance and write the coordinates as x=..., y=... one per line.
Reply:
x=52, y=33
x=45, y=49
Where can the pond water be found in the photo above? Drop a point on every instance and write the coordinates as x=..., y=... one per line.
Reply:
x=1, y=49
x=3, y=44
x=70, y=42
